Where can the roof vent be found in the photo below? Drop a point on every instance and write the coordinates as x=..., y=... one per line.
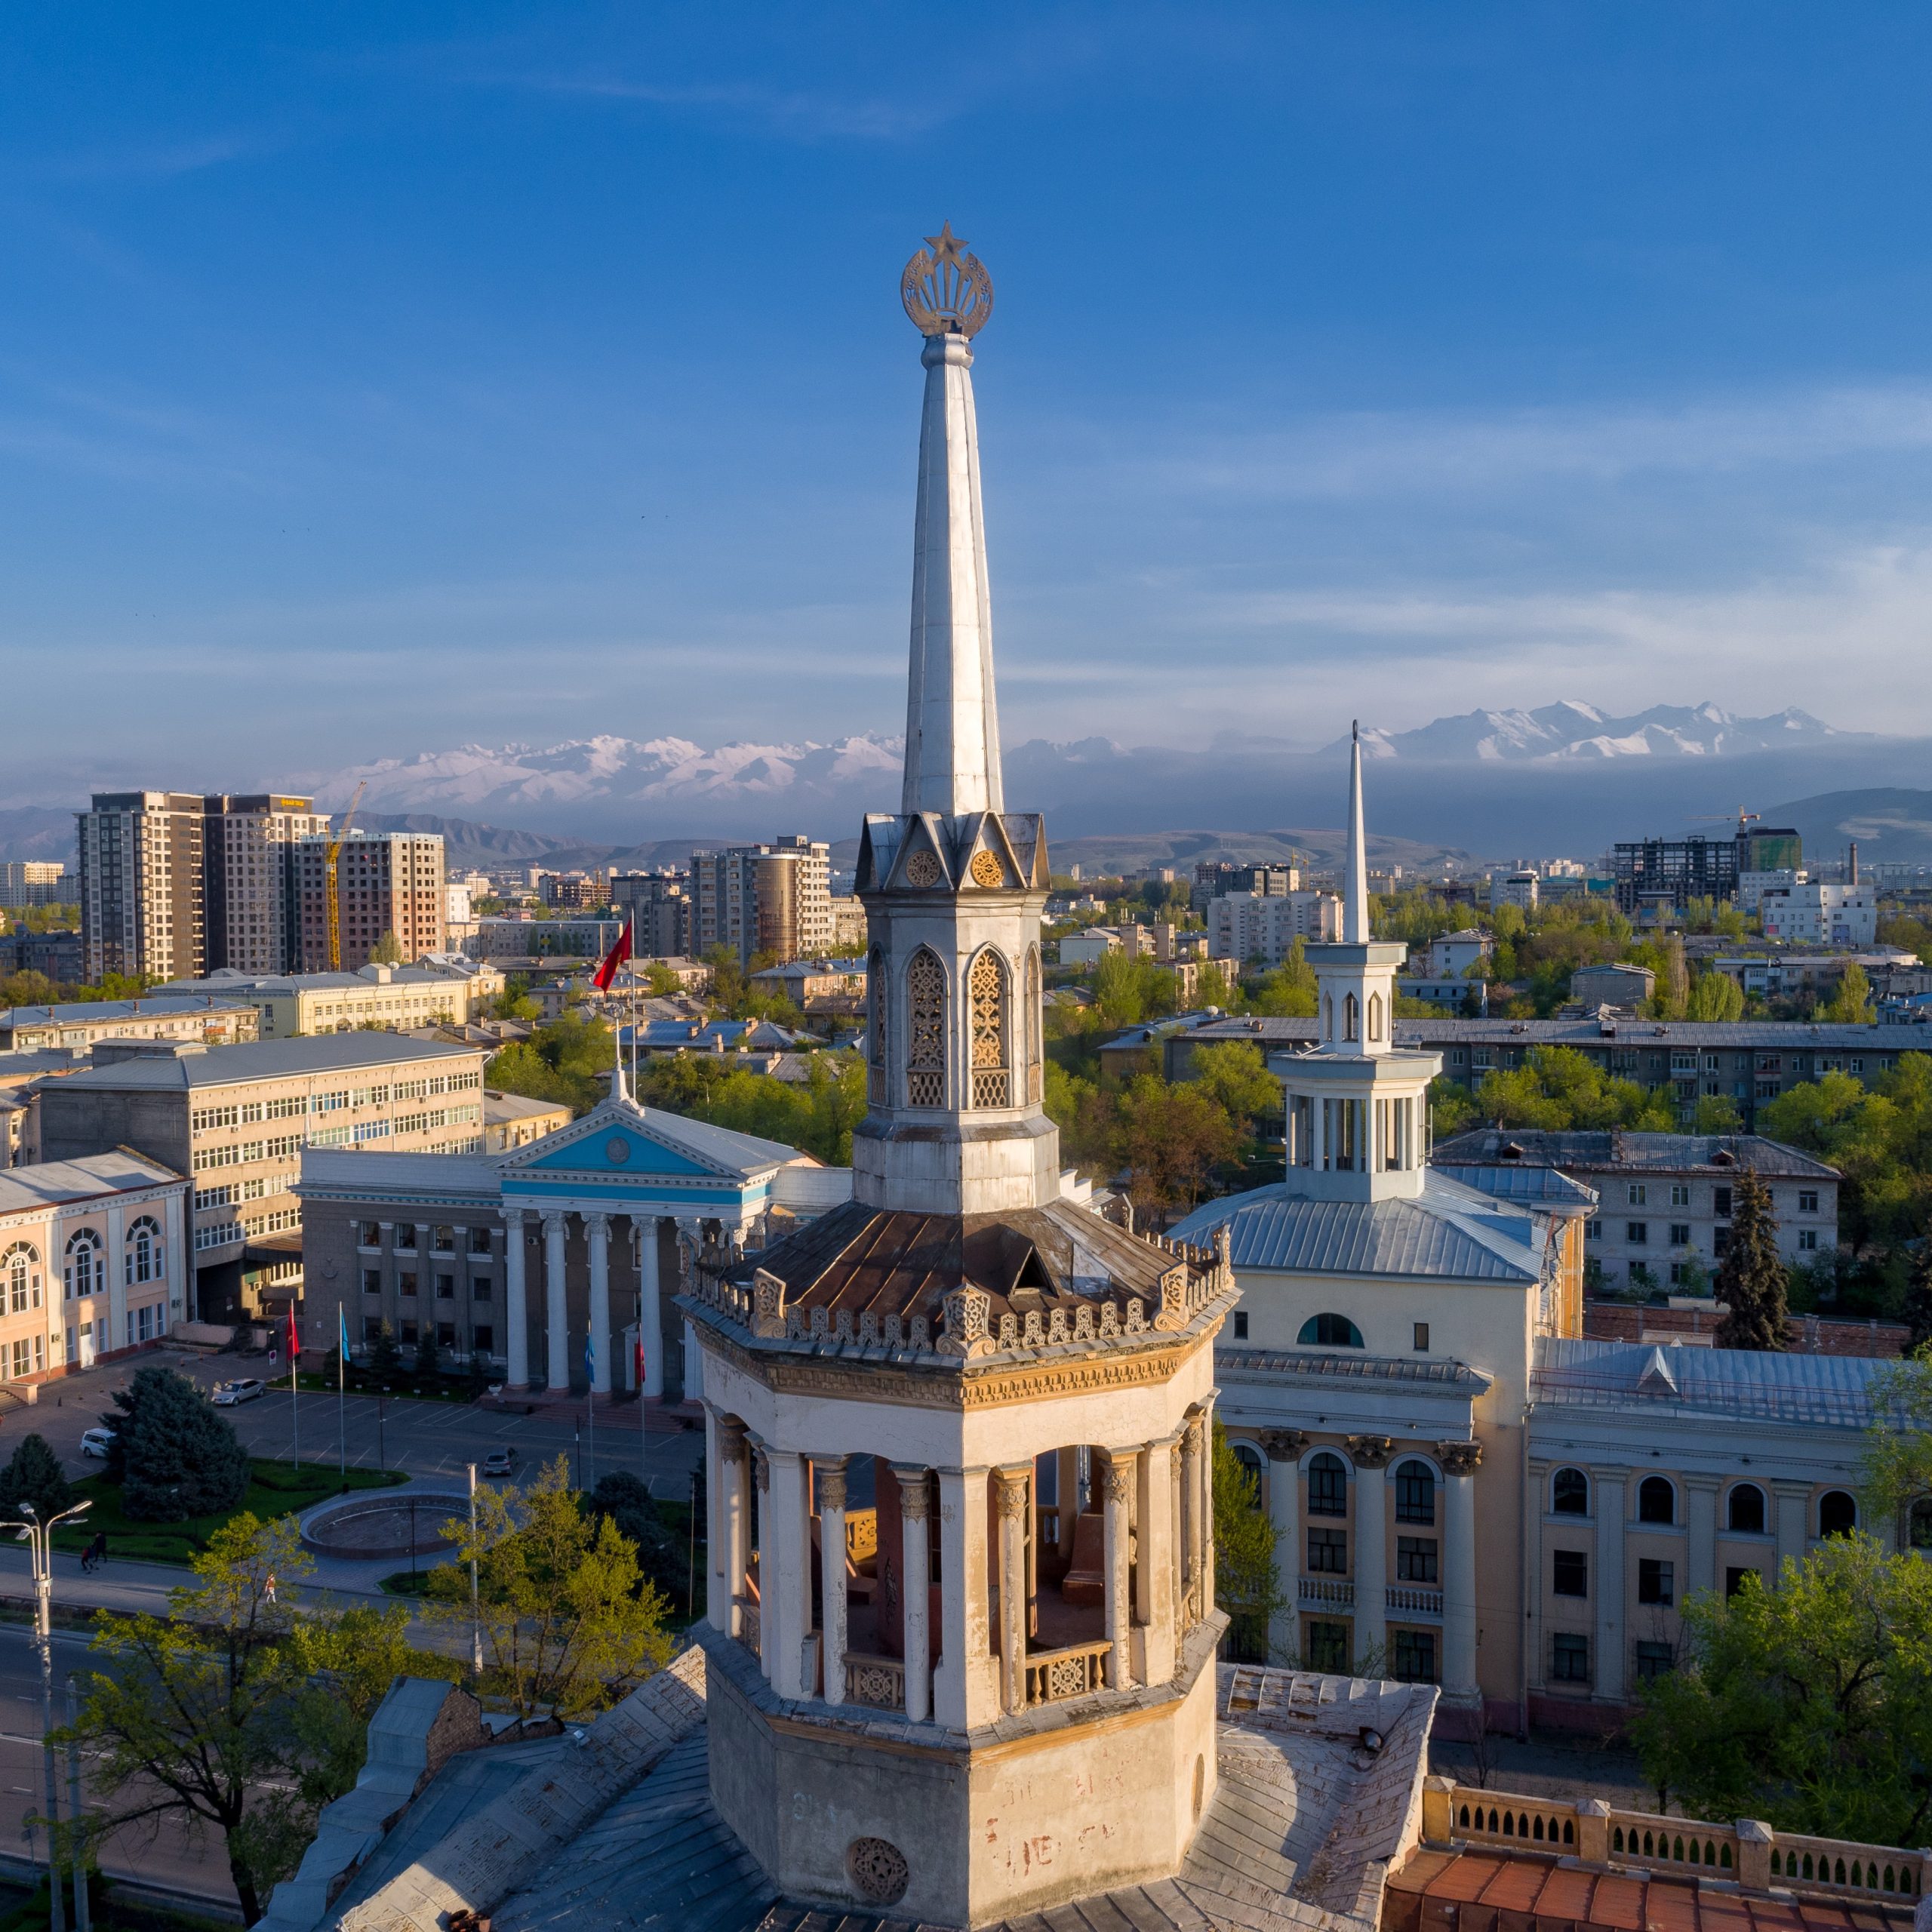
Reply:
x=1656, y=1373
x=1724, y=1158
x=1512, y=1150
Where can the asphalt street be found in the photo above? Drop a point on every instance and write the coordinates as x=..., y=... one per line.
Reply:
x=423, y=1439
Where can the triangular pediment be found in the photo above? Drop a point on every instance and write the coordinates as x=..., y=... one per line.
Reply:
x=921, y=865
x=614, y=1139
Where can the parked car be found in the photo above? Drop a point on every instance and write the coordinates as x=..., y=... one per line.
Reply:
x=500, y=1461
x=244, y=1389
x=97, y=1442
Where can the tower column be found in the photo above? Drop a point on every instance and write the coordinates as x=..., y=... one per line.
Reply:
x=1153, y=1594
x=1116, y=1475
x=914, y=1509
x=829, y=1476
x=785, y=1580
x=516, y=1307
x=597, y=1235
x=1459, y=1462
x=650, y=1308
x=734, y=1524
x=767, y=1611
x=1284, y=1447
x=1370, y=1456
x=556, y=1300
x=965, y=1691
x=1014, y=1488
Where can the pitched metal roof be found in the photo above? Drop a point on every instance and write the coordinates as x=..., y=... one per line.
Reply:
x=1275, y=1364
x=1833, y=1392
x=1771, y=1035
x=1514, y=1181
x=107, y=1012
x=1617, y=1147
x=1449, y=1230
x=321, y=1055
x=50, y=1183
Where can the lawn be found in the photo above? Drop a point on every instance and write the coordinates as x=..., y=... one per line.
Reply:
x=275, y=1489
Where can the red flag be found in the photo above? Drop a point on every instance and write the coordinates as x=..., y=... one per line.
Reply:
x=640, y=1364
x=294, y=1338
x=615, y=958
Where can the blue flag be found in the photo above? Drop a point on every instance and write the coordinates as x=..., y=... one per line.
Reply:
x=590, y=1356
x=342, y=1329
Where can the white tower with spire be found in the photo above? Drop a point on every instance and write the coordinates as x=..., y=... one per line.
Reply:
x=1358, y=1106
x=955, y=884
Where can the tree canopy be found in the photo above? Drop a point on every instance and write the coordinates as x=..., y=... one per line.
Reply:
x=1751, y=1277
x=173, y=1453
x=816, y=1116
x=1247, y=1578
x=565, y=1060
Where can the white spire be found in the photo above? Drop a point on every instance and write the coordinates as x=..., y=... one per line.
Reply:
x=952, y=725
x=1355, y=891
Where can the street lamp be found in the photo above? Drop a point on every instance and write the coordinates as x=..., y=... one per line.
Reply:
x=475, y=1611
x=39, y=1536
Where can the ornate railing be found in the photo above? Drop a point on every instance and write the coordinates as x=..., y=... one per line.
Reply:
x=749, y=1626
x=1407, y=1597
x=879, y=1682
x=1873, y=1869
x=1053, y=1676
x=1333, y=1592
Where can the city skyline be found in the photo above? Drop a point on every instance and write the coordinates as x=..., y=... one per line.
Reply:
x=1338, y=356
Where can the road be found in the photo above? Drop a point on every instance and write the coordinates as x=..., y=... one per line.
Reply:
x=424, y=1438
x=171, y=1860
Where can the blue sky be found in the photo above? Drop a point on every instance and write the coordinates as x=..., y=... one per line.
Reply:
x=375, y=379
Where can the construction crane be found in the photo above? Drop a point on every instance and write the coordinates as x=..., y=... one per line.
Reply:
x=1744, y=818
x=332, y=863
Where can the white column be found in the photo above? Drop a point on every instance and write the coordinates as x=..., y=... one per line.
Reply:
x=651, y=1312
x=1700, y=1526
x=1116, y=1475
x=1014, y=1486
x=1284, y=1447
x=556, y=1302
x=767, y=1614
x=829, y=1474
x=1370, y=1455
x=784, y=1575
x=597, y=1237
x=1153, y=1594
x=962, y=1694
x=1792, y=1522
x=117, y=1283
x=914, y=1509
x=516, y=1307
x=734, y=1523
x=1459, y=1460
x=1205, y=1474
x=1191, y=1607
x=1606, y=1667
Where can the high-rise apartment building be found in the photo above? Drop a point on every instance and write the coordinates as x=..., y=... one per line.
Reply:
x=142, y=885
x=386, y=883
x=253, y=908
x=660, y=906
x=33, y=882
x=774, y=899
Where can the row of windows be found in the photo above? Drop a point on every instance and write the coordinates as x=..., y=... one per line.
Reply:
x=1637, y=1234
x=442, y=1237
x=996, y=1059
x=1637, y=1194
x=407, y=1280
x=1412, y=1654
x=85, y=1271
x=1747, y=1511
x=244, y=1153
x=1417, y=1558
x=483, y=1338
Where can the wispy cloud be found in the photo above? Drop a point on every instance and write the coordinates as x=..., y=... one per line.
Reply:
x=790, y=114
x=158, y=160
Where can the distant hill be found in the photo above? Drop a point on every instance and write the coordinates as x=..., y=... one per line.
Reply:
x=1889, y=823
x=1571, y=729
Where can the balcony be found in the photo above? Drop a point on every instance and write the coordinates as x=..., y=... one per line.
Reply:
x=1052, y=1676
x=877, y=1682
x=1328, y=1593
x=1412, y=1601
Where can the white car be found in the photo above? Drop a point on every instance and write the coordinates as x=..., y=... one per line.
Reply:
x=97, y=1442
x=244, y=1388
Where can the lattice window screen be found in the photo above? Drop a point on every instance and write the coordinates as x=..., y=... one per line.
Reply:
x=987, y=984
x=1034, y=1024
x=881, y=996
x=925, y=1055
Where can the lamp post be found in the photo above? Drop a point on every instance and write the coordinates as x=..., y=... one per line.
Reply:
x=476, y=1608
x=382, y=1451
x=39, y=1536
x=74, y=1810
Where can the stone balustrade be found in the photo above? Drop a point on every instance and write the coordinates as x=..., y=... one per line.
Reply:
x=877, y=1682
x=1330, y=1592
x=1073, y=1671
x=1412, y=1601
x=1747, y=1852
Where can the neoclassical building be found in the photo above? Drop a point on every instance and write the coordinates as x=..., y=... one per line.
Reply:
x=1464, y=1491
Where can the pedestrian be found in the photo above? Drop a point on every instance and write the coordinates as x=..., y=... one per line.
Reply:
x=268, y=1588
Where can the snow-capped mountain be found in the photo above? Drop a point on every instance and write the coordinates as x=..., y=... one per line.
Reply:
x=1571, y=729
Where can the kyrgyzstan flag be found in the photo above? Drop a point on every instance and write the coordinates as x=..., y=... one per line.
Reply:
x=615, y=958
x=294, y=1338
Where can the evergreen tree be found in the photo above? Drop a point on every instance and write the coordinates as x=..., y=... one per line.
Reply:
x=34, y=1475
x=1918, y=1299
x=173, y=1453
x=385, y=1364
x=1751, y=1279
x=428, y=1364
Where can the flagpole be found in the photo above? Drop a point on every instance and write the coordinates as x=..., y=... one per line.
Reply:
x=342, y=1391
x=295, y=1378
x=643, y=1440
x=590, y=1406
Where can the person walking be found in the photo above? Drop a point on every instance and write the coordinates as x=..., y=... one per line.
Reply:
x=268, y=1588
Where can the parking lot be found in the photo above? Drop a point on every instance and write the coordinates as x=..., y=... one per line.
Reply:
x=424, y=1438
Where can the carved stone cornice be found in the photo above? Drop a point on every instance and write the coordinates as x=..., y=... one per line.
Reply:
x=1283, y=1445
x=1459, y=1458
x=1370, y=1452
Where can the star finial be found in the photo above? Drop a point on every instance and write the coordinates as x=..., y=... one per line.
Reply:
x=946, y=245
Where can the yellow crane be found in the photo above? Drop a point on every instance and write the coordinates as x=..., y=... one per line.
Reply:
x=331, y=865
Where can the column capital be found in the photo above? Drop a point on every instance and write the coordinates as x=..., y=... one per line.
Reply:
x=1284, y=1445
x=1116, y=1475
x=1459, y=1458
x=1009, y=1490
x=732, y=1437
x=828, y=1477
x=514, y=1217
x=915, y=1503
x=1371, y=1452
x=597, y=1222
x=1708, y=1485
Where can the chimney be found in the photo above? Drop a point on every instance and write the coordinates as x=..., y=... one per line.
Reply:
x=1851, y=867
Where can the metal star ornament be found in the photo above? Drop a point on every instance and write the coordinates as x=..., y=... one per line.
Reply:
x=945, y=289
x=946, y=246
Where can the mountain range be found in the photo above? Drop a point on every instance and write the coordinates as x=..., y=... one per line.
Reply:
x=1572, y=729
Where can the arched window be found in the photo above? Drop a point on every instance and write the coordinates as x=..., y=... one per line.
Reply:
x=1375, y=1016
x=878, y=992
x=1249, y=1457
x=144, y=1251
x=925, y=1045
x=1838, y=1513
x=1035, y=1026
x=1656, y=1501
x=1744, y=1511
x=986, y=993
x=1415, y=1492
x=1328, y=1485
x=1330, y=1331
x=1328, y=1017
x=1351, y=1017
x=1569, y=1494
x=86, y=1272
x=20, y=1279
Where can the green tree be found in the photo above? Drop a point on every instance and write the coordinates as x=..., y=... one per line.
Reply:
x=1248, y=1580
x=1809, y=1706
x=1850, y=1004
x=173, y=1453
x=33, y=1474
x=1170, y=1139
x=514, y=1002
x=429, y=1365
x=1452, y=1108
x=1234, y=1075
x=385, y=1362
x=1716, y=1113
x=387, y=950
x=566, y=1060
x=1918, y=1298
x=570, y=1621
x=663, y=1556
x=239, y=1711
x=1714, y=996
x=1558, y=1087
x=1288, y=993
x=1895, y=1465
x=1751, y=1278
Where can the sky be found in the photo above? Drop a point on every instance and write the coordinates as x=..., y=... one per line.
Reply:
x=379, y=378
